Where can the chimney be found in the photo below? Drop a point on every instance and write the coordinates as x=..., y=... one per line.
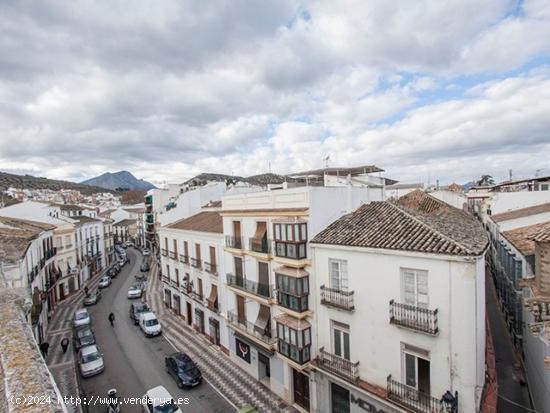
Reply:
x=542, y=265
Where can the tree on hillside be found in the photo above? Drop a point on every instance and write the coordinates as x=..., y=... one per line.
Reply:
x=486, y=180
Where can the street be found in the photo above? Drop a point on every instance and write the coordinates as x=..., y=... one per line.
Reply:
x=134, y=363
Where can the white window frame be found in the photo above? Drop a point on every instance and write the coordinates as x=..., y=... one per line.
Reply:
x=406, y=350
x=335, y=326
x=342, y=284
x=421, y=299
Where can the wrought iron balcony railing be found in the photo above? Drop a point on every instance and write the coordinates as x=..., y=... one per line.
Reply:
x=411, y=398
x=416, y=318
x=173, y=255
x=184, y=259
x=211, y=268
x=339, y=366
x=196, y=263
x=261, y=245
x=164, y=252
x=337, y=298
x=234, y=242
x=253, y=287
x=267, y=336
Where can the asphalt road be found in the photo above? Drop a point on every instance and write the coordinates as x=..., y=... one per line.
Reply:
x=134, y=363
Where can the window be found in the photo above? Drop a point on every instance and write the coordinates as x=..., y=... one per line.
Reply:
x=294, y=344
x=168, y=271
x=416, y=368
x=292, y=293
x=340, y=340
x=338, y=270
x=414, y=285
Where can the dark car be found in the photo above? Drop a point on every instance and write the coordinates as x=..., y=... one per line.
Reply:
x=83, y=336
x=92, y=298
x=183, y=370
x=116, y=267
x=136, y=309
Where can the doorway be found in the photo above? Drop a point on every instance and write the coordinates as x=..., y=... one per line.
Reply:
x=301, y=389
x=264, y=370
x=340, y=402
x=189, y=313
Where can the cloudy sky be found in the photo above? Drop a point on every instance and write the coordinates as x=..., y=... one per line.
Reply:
x=424, y=89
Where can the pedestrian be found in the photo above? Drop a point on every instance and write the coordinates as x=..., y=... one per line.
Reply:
x=64, y=344
x=44, y=346
x=86, y=291
x=112, y=319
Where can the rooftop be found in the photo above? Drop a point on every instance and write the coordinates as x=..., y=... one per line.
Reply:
x=523, y=239
x=16, y=236
x=206, y=221
x=521, y=213
x=417, y=222
x=125, y=222
x=83, y=219
x=353, y=171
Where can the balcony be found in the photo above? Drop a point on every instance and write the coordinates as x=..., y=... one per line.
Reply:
x=411, y=398
x=267, y=337
x=338, y=366
x=164, y=252
x=415, y=318
x=260, y=245
x=234, y=242
x=184, y=259
x=337, y=298
x=198, y=297
x=211, y=268
x=252, y=287
x=173, y=255
x=291, y=250
x=196, y=263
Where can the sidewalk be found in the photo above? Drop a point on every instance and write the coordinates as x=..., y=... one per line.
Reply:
x=231, y=381
x=62, y=365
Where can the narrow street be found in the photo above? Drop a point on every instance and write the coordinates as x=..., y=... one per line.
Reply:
x=134, y=363
x=511, y=393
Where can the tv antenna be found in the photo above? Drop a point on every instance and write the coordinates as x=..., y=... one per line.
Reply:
x=326, y=159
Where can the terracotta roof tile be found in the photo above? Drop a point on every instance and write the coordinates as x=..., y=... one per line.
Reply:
x=523, y=212
x=424, y=225
x=206, y=221
x=524, y=238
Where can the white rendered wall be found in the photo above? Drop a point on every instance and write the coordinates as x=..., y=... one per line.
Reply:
x=508, y=201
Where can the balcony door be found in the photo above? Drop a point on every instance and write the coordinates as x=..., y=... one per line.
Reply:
x=416, y=371
x=239, y=273
x=241, y=315
x=338, y=270
x=237, y=233
x=340, y=340
x=414, y=286
x=263, y=279
x=301, y=389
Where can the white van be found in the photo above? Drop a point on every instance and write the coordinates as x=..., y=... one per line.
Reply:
x=149, y=324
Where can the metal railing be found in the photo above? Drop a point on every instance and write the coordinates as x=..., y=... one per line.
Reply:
x=184, y=259
x=196, y=263
x=339, y=366
x=234, y=242
x=267, y=336
x=416, y=318
x=411, y=398
x=173, y=255
x=337, y=298
x=211, y=268
x=164, y=252
x=261, y=245
x=253, y=287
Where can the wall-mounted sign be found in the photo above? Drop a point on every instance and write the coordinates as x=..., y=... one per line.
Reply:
x=243, y=350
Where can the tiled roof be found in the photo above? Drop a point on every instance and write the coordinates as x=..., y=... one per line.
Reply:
x=421, y=201
x=424, y=225
x=83, y=219
x=213, y=204
x=16, y=236
x=521, y=213
x=125, y=222
x=206, y=221
x=523, y=238
x=543, y=235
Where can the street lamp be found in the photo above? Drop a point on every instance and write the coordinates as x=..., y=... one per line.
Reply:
x=450, y=402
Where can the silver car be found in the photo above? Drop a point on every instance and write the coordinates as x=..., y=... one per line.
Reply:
x=135, y=290
x=90, y=361
x=104, y=282
x=81, y=318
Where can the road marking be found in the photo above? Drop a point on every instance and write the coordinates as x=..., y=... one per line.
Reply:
x=211, y=385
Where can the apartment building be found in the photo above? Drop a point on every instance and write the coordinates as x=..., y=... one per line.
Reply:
x=191, y=266
x=90, y=246
x=108, y=241
x=536, y=317
x=399, y=298
x=269, y=276
x=27, y=260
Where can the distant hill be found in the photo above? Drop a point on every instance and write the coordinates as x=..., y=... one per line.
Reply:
x=33, y=182
x=122, y=180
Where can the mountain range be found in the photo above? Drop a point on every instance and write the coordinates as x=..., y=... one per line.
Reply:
x=8, y=180
x=122, y=180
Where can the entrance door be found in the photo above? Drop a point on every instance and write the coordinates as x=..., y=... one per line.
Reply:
x=189, y=314
x=339, y=399
x=301, y=389
x=264, y=370
x=214, y=331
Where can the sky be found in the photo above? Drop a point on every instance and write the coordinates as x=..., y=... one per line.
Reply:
x=427, y=90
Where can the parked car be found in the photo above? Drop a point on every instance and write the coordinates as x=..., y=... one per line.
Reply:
x=129, y=244
x=183, y=370
x=158, y=400
x=136, y=309
x=123, y=245
x=90, y=361
x=83, y=336
x=92, y=298
x=104, y=282
x=149, y=324
x=122, y=261
x=145, y=251
x=116, y=267
x=81, y=317
x=135, y=290
x=144, y=266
